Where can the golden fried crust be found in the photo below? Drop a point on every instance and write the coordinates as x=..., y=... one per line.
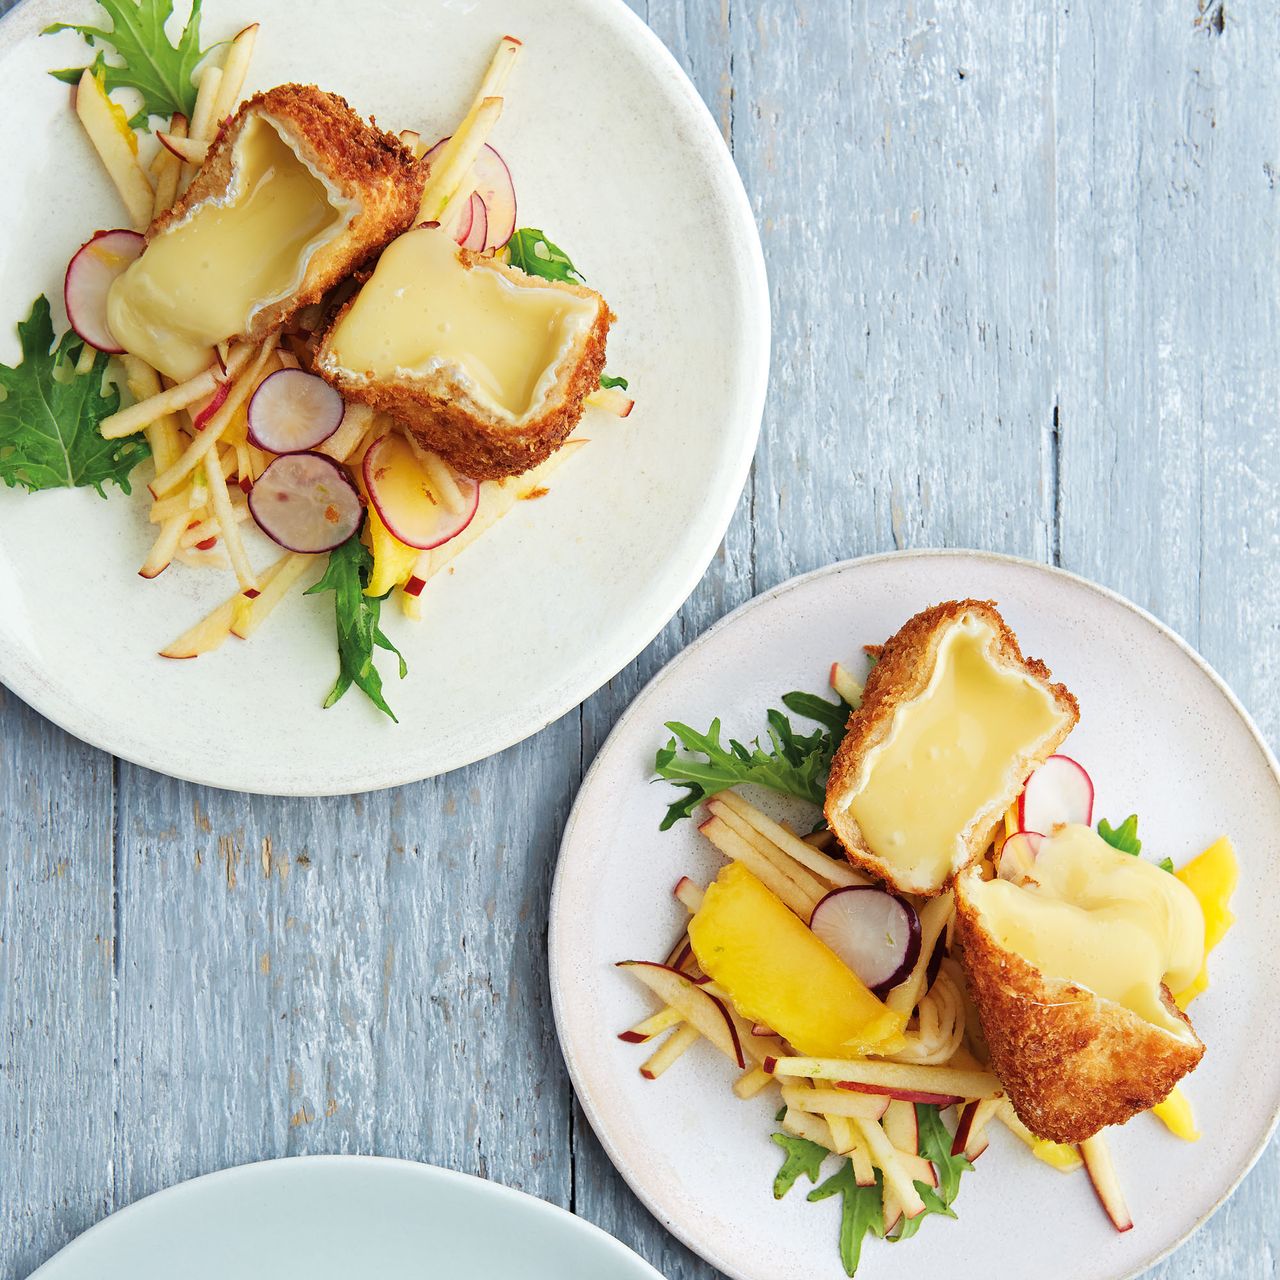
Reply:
x=904, y=666
x=364, y=163
x=1070, y=1061
x=444, y=418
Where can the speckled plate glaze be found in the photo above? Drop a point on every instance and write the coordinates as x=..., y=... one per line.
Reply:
x=634, y=180
x=1162, y=737
x=337, y=1217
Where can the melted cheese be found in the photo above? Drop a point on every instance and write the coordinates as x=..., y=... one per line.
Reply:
x=1101, y=919
x=946, y=758
x=423, y=313
x=203, y=279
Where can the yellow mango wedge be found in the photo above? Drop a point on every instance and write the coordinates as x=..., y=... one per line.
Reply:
x=393, y=561
x=1212, y=877
x=776, y=971
x=1058, y=1155
x=1176, y=1114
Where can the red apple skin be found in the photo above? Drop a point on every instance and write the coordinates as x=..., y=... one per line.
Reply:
x=902, y=1095
x=163, y=139
x=739, y=1056
x=961, y=1139
x=1115, y=1208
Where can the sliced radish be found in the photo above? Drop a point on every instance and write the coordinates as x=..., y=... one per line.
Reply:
x=293, y=411
x=90, y=275
x=477, y=225
x=494, y=186
x=401, y=490
x=305, y=502
x=1018, y=855
x=876, y=933
x=462, y=226
x=1059, y=791
x=934, y=966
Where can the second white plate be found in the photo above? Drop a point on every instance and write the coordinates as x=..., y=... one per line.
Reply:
x=340, y=1217
x=1162, y=737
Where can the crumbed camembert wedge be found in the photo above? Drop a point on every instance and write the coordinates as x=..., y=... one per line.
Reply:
x=1071, y=971
x=485, y=365
x=953, y=720
x=296, y=192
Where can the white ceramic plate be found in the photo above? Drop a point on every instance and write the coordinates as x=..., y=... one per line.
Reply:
x=339, y=1217
x=1161, y=735
x=617, y=159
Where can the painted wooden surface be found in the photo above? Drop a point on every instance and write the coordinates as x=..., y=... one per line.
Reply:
x=1024, y=290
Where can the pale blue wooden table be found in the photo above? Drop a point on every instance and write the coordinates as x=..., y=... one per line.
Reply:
x=1023, y=276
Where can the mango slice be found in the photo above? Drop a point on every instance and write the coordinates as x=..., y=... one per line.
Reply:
x=393, y=561
x=776, y=971
x=1175, y=1111
x=1212, y=877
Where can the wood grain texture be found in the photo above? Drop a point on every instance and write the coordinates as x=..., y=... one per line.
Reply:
x=58, y=1089
x=1024, y=293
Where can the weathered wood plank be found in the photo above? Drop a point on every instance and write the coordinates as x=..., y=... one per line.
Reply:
x=1167, y=119
x=57, y=1026
x=363, y=974
x=900, y=160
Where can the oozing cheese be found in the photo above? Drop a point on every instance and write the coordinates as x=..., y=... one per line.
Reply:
x=423, y=312
x=203, y=279
x=1102, y=919
x=946, y=758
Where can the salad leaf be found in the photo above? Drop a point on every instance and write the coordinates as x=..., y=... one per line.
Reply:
x=535, y=255
x=608, y=382
x=933, y=1203
x=935, y=1146
x=835, y=715
x=803, y=1157
x=149, y=62
x=795, y=764
x=861, y=1210
x=357, y=616
x=49, y=418
x=1125, y=838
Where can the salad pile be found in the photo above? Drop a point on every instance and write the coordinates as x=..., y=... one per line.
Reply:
x=256, y=444
x=877, y=1041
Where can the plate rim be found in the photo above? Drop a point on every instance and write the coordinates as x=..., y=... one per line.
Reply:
x=429, y=1173
x=554, y=967
x=22, y=677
